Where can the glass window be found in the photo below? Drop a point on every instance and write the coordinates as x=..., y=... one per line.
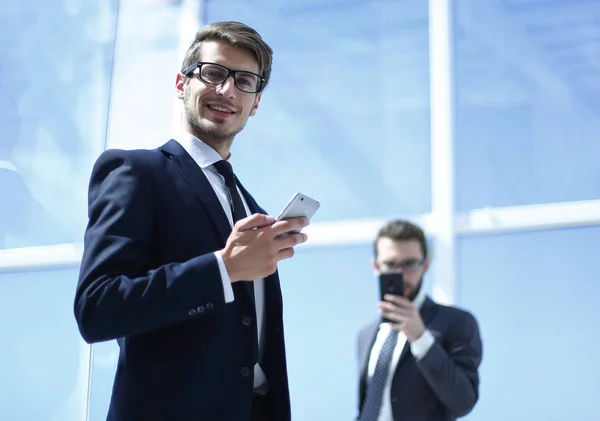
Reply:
x=44, y=363
x=330, y=293
x=104, y=366
x=345, y=118
x=55, y=64
x=527, y=102
x=535, y=295
x=143, y=79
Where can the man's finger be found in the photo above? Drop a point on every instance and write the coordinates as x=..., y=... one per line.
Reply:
x=292, y=240
x=398, y=300
x=257, y=220
x=391, y=315
x=285, y=253
x=282, y=227
x=384, y=305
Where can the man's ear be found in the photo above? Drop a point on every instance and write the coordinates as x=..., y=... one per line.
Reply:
x=375, y=269
x=426, y=265
x=255, y=105
x=180, y=81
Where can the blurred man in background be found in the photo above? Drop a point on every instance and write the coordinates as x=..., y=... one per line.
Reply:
x=423, y=365
x=173, y=266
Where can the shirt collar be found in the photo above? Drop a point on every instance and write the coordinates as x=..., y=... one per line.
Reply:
x=203, y=154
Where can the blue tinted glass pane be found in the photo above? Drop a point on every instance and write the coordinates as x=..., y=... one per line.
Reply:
x=329, y=294
x=345, y=118
x=104, y=365
x=43, y=361
x=528, y=101
x=55, y=61
x=536, y=297
x=143, y=79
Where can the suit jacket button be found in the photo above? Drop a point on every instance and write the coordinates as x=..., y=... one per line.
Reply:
x=192, y=312
x=210, y=306
x=246, y=321
x=245, y=372
x=200, y=309
x=394, y=400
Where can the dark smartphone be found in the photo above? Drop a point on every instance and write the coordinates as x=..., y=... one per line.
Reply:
x=390, y=283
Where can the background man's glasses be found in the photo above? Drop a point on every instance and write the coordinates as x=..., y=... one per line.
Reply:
x=406, y=266
x=215, y=74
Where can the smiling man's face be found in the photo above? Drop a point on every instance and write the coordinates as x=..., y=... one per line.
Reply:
x=216, y=113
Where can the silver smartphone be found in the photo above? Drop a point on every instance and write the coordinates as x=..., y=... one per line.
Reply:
x=299, y=205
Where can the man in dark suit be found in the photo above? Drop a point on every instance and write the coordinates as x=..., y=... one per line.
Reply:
x=422, y=366
x=195, y=304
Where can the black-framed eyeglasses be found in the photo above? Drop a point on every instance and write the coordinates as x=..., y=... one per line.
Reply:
x=405, y=266
x=215, y=74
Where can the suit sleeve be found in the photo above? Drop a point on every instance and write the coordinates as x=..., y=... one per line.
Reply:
x=118, y=294
x=452, y=370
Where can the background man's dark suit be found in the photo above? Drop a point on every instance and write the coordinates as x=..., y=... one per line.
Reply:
x=444, y=384
x=185, y=354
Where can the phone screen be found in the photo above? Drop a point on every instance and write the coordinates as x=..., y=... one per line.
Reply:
x=390, y=283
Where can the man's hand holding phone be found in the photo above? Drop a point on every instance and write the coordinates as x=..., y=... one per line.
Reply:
x=403, y=315
x=254, y=246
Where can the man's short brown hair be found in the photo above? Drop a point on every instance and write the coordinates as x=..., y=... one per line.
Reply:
x=237, y=35
x=400, y=230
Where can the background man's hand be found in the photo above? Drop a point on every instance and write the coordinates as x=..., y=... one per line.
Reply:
x=404, y=314
x=252, y=250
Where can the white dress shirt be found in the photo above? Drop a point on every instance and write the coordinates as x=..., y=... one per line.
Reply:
x=418, y=348
x=205, y=157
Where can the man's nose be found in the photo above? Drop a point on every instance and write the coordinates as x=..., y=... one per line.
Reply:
x=227, y=88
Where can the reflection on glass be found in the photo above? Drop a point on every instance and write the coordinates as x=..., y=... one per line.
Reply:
x=43, y=361
x=528, y=102
x=54, y=74
x=536, y=297
x=24, y=221
x=345, y=117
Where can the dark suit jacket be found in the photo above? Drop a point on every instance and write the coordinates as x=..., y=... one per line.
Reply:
x=444, y=384
x=149, y=278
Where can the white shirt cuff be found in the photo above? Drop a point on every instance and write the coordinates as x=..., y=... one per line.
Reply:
x=227, y=288
x=421, y=346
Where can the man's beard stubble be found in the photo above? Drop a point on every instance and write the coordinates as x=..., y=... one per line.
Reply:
x=212, y=136
x=414, y=294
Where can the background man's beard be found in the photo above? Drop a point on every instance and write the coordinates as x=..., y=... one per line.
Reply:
x=413, y=294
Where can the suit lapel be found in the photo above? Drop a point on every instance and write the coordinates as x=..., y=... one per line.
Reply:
x=252, y=205
x=200, y=185
x=428, y=310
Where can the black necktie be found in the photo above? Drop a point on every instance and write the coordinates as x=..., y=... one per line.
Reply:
x=237, y=206
x=239, y=212
x=372, y=403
